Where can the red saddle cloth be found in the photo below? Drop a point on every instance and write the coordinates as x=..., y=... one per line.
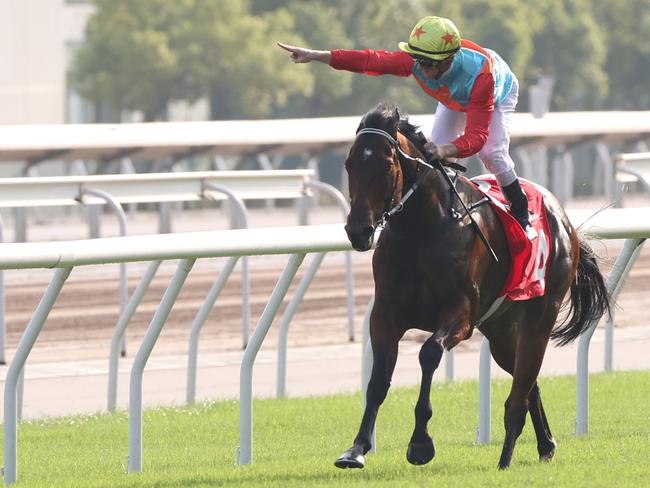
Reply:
x=527, y=277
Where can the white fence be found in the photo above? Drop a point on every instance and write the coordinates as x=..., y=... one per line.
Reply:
x=114, y=190
x=192, y=186
x=270, y=141
x=295, y=241
x=155, y=140
x=632, y=168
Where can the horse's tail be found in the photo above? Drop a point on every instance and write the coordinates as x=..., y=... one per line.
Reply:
x=589, y=299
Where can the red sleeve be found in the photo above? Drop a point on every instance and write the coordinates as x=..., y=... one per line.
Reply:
x=373, y=62
x=479, y=114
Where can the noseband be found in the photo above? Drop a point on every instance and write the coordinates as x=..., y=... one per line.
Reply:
x=437, y=165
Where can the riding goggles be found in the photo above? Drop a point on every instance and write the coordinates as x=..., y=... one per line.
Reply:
x=427, y=63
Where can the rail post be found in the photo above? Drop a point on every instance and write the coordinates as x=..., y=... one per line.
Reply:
x=24, y=347
x=245, y=452
x=120, y=328
x=615, y=280
x=240, y=217
x=134, y=462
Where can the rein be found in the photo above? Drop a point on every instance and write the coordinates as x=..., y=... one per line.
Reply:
x=437, y=165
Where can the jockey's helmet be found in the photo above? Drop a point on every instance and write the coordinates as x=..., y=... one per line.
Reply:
x=432, y=37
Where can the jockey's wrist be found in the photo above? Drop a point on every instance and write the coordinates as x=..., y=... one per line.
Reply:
x=322, y=56
x=448, y=151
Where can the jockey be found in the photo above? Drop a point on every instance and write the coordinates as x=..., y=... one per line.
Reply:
x=476, y=90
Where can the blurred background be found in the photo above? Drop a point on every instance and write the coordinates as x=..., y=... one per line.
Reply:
x=75, y=61
x=117, y=61
x=128, y=60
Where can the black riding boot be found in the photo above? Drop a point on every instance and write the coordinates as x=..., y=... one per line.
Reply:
x=519, y=207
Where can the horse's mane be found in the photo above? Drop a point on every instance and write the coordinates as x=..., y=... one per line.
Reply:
x=386, y=116
x=413, y=134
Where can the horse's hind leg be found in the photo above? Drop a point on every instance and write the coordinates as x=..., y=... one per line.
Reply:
x=530, y=348
x=421, y=449
x=545, y=443
x=384, y=354
x=502, y=347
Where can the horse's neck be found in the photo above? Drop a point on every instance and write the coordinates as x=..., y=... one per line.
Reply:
x=430, y=205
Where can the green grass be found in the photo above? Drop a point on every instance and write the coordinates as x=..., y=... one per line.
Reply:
x=297, y=440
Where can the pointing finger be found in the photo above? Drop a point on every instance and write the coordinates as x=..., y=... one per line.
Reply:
x=287, y=47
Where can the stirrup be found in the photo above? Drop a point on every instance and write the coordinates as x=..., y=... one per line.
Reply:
x=531, y=233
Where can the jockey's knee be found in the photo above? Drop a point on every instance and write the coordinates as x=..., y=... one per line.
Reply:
x=492, y=156
x=498, y=162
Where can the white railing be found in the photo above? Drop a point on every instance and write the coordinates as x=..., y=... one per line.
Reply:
x=150, y=188
x=114, y=190
x=296, y=241
x=156, y=140
x=187, y=247
x=632, y=168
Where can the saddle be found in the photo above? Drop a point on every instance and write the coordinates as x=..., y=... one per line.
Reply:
x=529, y=259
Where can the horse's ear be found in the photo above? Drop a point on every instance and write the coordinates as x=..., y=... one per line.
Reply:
x=362, y=124
x=395, y=119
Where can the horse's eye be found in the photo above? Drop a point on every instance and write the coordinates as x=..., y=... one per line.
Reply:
x=389, y=167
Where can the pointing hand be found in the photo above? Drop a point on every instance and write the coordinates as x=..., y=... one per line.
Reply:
x=304, y=55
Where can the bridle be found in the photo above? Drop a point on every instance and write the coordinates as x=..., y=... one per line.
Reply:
x=435, y=164
x=396, y=208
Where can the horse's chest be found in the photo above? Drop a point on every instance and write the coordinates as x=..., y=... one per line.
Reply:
x=418, y=279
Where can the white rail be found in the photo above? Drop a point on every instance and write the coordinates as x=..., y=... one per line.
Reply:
x=156, y=140
x=632, y=168
x=297, y=241
x=165, y=187
x=66, y=255
x=114, y=190
x=615, y=281
x=626, y=223
x=151, y=187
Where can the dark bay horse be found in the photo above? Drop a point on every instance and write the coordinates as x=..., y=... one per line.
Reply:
x=433, y=272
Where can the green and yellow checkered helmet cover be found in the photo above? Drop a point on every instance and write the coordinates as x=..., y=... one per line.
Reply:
x=433, y=37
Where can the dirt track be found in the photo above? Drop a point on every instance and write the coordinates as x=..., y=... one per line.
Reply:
x=81, y=324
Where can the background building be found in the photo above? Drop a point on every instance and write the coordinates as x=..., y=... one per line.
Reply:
x=37, y=39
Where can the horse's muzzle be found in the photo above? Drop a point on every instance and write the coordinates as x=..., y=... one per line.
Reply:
x=361, y=238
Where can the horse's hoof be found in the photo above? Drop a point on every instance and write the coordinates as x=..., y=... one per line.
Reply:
x=350, y=459
x=419, y=453
x=546, y=454
x=546, y=458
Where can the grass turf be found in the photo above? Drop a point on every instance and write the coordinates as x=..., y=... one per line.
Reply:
x=297, y=440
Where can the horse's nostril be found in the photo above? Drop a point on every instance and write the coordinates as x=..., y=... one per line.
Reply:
x=360, y=237
x=366, y=232
x=356, y=232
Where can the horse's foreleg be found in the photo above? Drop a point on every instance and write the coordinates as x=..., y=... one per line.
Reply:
x=384, y=359
x=421, y=448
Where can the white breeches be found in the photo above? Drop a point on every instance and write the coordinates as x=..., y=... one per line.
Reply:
x=448, y=125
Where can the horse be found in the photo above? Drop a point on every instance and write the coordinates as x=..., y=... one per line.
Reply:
x=439, y=265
